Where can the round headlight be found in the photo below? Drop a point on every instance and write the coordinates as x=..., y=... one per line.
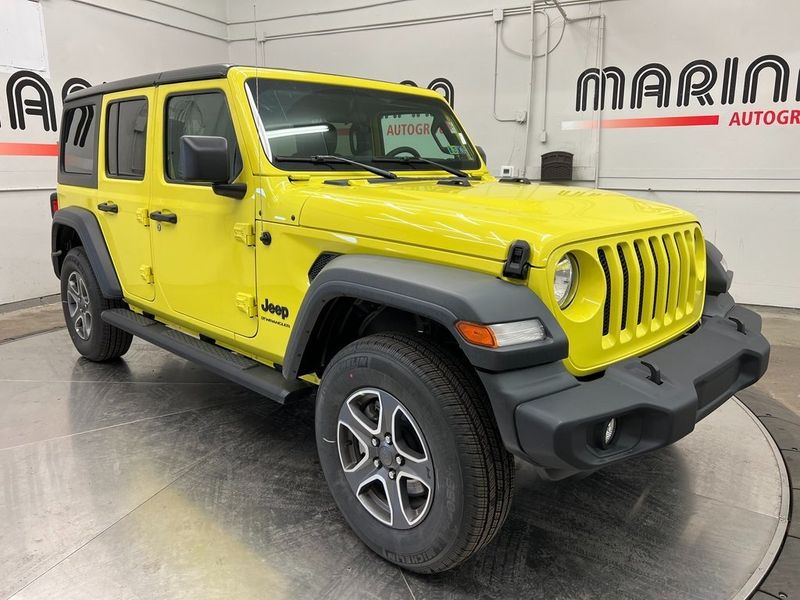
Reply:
x=565, y=279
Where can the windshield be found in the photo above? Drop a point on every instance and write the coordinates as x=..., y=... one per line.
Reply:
x=388, y=129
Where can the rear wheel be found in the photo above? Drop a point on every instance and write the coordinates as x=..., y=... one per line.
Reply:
x=411, y=452
x=83, y=303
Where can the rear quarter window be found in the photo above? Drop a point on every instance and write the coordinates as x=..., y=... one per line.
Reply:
x=80, y=145
x=77, y=164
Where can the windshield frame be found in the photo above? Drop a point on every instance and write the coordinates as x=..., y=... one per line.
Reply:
x=474, y=164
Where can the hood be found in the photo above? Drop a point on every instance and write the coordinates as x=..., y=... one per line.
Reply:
x=483, y=219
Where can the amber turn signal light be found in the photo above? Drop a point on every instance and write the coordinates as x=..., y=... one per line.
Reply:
x=480, y=335
x=501, y=335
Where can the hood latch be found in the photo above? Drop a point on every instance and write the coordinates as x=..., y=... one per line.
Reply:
x=516, y=266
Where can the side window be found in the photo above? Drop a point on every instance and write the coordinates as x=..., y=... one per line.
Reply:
x=126, y=134
x=204, y=113
x=79, y=151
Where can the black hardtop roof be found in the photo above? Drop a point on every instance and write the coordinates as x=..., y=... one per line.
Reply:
x=216, y=71
x=176, y=76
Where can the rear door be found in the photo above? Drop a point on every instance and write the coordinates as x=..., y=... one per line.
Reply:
x=126, y=133
x=205, y=260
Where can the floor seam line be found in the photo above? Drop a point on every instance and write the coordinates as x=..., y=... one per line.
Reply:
x=31, y=334
x=750, y=510
x=78, y=433
x=180, y=474
x=785, y=420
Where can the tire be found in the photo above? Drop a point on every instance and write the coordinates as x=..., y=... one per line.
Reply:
x=83, y=302
x=444, y=433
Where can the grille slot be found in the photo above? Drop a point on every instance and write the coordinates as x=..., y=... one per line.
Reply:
x=655, y=278
x=670, y=286
x=641, y=284
x=607, y=305
x=625, y=287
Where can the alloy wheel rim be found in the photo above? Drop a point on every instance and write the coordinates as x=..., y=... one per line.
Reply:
x=78, y=305
x=385, y=458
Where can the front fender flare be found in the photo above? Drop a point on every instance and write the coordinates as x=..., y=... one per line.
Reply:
x=440, y=293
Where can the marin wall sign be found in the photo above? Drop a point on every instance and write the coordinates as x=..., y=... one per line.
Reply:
x=441, y=85
x=700, y=84
x=30, y=104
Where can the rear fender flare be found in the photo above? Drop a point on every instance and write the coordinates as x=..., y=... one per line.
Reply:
x=85, y=225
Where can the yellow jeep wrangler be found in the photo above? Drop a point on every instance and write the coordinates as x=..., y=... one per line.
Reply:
x=339, y=240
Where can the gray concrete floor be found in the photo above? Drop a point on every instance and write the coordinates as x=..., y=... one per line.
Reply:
x=782, y=381
x=152, y=478
x=35, y=319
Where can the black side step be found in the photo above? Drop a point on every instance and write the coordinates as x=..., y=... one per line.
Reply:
x=244, y=371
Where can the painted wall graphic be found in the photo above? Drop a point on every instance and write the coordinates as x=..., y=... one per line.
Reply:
x=30, y=106
x=699, y=84
x=441, y=85
x=41, y=104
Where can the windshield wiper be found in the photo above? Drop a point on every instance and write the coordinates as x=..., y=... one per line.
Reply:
x=323, y=159
x=420, y=160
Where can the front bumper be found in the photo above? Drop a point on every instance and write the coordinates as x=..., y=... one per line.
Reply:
x=552, y=418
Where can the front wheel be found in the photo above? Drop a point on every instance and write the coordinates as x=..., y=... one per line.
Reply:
x=411, y=452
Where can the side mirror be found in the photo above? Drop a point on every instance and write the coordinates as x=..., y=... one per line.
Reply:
x=204, y=158
x=482, y=152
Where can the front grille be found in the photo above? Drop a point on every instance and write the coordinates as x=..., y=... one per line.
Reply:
x=651, y=282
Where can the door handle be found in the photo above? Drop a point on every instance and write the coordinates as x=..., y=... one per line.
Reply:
x=164, y=218
x=108, y=207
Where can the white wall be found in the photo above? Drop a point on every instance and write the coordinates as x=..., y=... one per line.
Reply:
x=743, y=183
x=114, y=39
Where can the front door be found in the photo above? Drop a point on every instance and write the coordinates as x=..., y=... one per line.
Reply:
x=204, y=261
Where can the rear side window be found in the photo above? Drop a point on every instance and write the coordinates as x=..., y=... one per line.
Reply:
x=203, y=113
x=79, y=147
x=126, y=137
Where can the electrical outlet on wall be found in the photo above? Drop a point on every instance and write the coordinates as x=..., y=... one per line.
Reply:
x=507, y=171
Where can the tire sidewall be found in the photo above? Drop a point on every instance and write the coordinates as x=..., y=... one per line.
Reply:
x=369, y=368
x=76, y=261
